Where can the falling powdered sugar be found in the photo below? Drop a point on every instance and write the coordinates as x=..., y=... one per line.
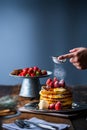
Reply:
x=59, y=71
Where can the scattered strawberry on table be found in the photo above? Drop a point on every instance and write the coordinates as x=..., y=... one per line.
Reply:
x=30, y=72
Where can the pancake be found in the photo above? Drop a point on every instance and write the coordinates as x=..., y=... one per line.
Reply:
x=7, y=112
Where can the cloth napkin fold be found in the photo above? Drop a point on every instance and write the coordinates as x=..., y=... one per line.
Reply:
x=13, y=126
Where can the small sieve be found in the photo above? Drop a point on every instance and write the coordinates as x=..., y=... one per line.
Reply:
x=57, y=61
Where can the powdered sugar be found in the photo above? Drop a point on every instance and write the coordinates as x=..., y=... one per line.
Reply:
x=59, y=71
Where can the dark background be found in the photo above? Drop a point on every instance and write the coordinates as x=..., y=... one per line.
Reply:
x=31, y=31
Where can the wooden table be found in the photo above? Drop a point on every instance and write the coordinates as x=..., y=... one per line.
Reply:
x=77, y=123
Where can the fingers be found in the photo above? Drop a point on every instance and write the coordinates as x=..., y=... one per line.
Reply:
x=74, y=60
x=77, y=66
x=76, y=63
x=74, y=50
x=66, y=56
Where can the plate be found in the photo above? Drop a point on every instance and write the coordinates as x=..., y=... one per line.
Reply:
x=48, y=74
x=76, y=107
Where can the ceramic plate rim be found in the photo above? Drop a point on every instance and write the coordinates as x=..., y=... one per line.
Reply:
x=73, y=110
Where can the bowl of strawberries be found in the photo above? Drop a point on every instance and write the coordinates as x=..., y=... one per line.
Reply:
x=31, y=84
x=30, y=72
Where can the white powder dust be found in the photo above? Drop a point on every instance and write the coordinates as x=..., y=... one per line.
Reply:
x=59, y=71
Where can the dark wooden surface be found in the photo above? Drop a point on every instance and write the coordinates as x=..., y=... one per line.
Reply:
x=76, y=123
x=80, y=96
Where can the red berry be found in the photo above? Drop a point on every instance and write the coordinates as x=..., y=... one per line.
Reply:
x=25, y=70
x=51, y=106
x=62, y=83
x=51, y=84
x=48, y=87
x=35, y=68
x=55, y=79
x=48, y=81
x=22, y=74
x=58, y=106
x=43, y=72
x=30, y=70
x=32, y=74
x=56, y=84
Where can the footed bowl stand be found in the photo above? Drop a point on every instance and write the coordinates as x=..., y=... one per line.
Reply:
x=30, y=88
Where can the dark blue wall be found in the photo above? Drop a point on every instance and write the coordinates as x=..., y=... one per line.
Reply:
x=31, y=31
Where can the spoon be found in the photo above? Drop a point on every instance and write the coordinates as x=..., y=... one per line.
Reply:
x=57, y=61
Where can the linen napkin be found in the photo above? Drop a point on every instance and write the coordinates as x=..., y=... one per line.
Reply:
x=13, y=126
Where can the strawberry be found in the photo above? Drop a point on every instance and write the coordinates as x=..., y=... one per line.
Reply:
x=22, y=74
x=30, y=70
x=35, y=68
x=56, y=84
x=51, y=84
x=51, y=106
x=48, y=81
x=25, y=70
x=48, y=87
x=43, y=72
x=58, y=106
x=62, y=83
x=55, y=79
x=32, y=74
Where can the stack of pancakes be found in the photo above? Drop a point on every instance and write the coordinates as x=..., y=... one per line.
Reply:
x=53, y=95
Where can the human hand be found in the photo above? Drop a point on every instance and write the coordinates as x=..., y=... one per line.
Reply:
x=77, y=56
